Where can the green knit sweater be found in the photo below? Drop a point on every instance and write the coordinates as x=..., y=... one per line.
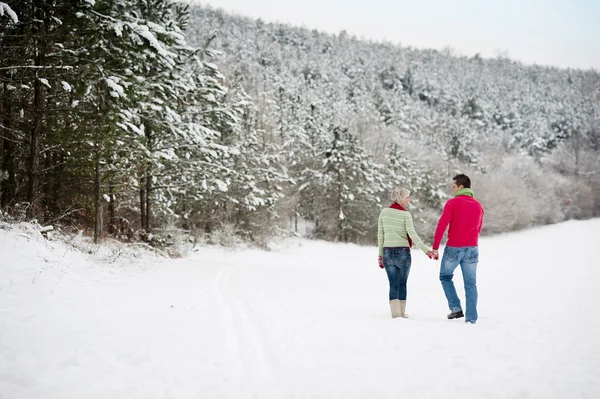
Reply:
x=392, y=230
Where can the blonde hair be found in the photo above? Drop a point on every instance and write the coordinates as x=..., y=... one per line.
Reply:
x=399, y=193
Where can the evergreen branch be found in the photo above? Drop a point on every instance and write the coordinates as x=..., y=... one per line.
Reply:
x=36, y=67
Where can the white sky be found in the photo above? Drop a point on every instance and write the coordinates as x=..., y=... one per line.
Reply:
x=549, y=32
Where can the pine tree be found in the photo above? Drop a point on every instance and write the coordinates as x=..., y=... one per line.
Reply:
x=345, y=191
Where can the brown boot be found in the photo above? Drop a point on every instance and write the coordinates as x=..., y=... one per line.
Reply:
x=396, y=308
x=403, y=309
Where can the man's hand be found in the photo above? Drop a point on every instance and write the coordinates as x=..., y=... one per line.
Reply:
x=433, y=254
x=380, y=261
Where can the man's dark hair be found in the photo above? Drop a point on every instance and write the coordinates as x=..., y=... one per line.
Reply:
x=462, y=180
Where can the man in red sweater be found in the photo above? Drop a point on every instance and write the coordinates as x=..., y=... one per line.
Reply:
x=464, y=214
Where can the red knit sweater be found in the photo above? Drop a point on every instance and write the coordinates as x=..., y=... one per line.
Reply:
x=465, y=216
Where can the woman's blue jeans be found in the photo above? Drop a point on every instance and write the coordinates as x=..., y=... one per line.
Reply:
x=396, y=261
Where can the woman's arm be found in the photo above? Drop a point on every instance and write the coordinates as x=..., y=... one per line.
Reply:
x=380, y=235
x=410, y=228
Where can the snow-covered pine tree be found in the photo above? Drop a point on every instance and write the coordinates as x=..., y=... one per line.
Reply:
x=345, y=191
x=426, y=185
x=242, y=191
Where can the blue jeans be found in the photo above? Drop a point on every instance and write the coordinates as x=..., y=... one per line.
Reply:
x=467, y=258
x=396, y=261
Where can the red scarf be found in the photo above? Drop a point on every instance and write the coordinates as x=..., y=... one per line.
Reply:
x=401, y=208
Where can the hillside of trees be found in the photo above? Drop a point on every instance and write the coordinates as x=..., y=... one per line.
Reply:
x=140, y=118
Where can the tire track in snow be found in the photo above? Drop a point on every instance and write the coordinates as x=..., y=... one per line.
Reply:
x=252, y=353
x=232, y=342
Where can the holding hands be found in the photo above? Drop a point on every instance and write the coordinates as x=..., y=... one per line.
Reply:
x=433, y=254
x=380, y=261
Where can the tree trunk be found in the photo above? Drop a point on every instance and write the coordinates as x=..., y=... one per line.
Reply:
x=99, y=146
x=340, y=222
x=9, y=186
x=577, y=148
x=111, y=211
x=34, y=150
x=142, y=204
x=97, y=203
x=148, y=181
x=148, y=201
x=38, y=120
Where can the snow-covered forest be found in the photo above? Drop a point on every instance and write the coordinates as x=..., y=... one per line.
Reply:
x=135, y=118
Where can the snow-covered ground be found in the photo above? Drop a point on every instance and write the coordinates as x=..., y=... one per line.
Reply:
x=304, y=320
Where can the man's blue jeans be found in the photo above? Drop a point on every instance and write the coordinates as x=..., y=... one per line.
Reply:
x=396, y=261
x=467, y=258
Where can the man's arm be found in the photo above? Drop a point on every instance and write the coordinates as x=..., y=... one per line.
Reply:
x=481, y=220
x=442, y=224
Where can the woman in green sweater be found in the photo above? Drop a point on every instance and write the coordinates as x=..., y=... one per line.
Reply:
x=395, y=235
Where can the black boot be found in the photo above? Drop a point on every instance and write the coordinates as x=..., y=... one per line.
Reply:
x=456, y=315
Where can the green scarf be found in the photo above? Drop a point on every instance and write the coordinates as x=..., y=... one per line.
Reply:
x=464, y=191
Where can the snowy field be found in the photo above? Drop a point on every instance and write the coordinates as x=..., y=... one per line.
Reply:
x=304, y=320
